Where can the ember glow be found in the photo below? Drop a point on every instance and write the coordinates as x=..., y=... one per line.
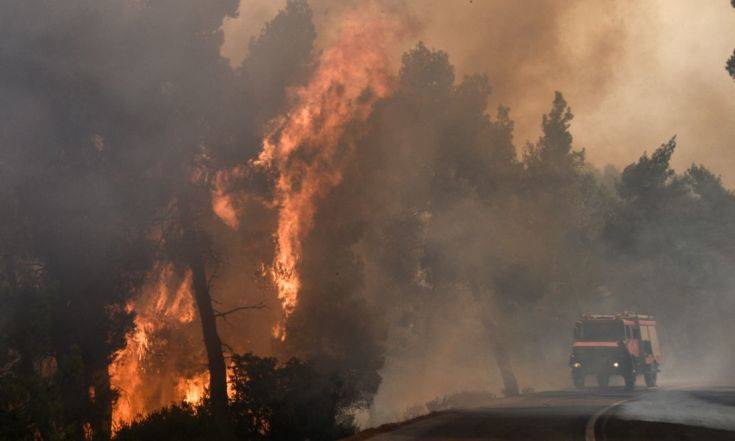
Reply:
x=165, y=305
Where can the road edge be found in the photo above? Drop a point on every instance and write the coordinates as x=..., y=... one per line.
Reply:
x=388, y=427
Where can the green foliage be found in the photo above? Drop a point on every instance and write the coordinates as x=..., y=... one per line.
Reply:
x=670, y=247
x=281, y=55
x=181, y=422
x=554, y=154
x=650, y=192
x=647, y=178
x=294, y=401
x=426, y=73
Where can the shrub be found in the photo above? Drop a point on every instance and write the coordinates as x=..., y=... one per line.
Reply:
x=289, y=402
x=271, y=402
x=182, y=422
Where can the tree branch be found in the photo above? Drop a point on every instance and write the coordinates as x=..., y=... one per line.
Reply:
x=224, y=314
x=229, y=349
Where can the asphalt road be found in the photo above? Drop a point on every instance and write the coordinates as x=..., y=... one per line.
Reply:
x=592, y=415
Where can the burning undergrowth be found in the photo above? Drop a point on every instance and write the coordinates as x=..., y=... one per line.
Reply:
x=162, y=361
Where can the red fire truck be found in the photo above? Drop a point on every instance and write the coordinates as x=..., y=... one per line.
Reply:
x=624, y=344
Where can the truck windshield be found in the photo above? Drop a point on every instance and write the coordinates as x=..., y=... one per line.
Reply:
x=602, y=330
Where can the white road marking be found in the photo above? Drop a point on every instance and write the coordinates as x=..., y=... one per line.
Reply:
x=589, y=430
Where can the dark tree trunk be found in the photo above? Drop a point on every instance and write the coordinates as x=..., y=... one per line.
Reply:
x=101, y=398
x=502, y=358
x=194, y=248
x=215, y=359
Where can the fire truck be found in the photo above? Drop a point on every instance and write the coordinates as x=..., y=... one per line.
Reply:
x=624, y=344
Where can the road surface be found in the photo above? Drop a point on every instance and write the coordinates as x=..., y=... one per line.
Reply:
x=614, y=415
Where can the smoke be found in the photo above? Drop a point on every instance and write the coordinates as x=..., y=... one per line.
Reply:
x=608, y=58
x=670, y=80
x=527, y=52
x=358, y=189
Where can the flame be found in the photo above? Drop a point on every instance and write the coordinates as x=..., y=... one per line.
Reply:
x=192, y=389
x=224, y=207
x=307, y=148
x=141, y=387
x=224, y=203
x=279, y=332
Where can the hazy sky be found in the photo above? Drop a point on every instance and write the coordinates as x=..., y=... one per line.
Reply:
x=634, y=72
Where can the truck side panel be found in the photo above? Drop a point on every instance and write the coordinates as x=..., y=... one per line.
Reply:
x=654, y=343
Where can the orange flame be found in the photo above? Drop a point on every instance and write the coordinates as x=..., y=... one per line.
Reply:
x=192, y=389
x=158, y=309
x=224, y=203
x=307, y=147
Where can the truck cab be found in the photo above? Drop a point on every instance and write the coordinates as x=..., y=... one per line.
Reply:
x=624, y=344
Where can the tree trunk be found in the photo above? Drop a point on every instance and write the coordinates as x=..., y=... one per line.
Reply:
x=502, y=358
x=101, y=398
x=212, y=343
x=194, y=247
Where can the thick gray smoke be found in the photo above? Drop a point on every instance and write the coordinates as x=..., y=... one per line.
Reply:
x=621, y=63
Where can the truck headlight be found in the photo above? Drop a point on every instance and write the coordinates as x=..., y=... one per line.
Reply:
x=577, y=364
x=616, y=364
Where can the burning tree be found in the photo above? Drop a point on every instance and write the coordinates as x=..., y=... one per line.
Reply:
x=185, y=221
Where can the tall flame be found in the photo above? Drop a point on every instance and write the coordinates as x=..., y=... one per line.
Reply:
x=165, y=304
x=307, y=147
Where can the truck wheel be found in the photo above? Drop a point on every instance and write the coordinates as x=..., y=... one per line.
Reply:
x=603, y=380
x=650, y=378
x=629, y=381
x=578, y=381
